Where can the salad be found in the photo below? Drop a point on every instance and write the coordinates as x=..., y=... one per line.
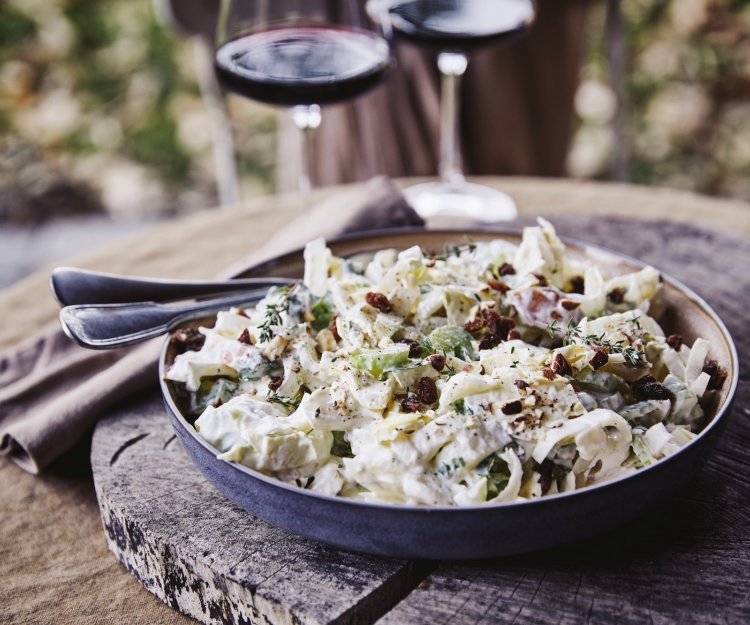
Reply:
x=486, y=372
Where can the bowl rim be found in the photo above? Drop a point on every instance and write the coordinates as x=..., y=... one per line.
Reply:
x=722, y=411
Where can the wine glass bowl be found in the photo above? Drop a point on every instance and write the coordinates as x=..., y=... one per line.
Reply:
x=300, y=54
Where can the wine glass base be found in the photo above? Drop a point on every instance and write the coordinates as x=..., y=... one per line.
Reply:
x=468, y=200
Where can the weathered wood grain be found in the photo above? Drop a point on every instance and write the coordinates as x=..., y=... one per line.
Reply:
x=201, y=554
x=686, y=562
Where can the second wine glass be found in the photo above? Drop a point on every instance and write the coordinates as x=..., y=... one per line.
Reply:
x=300, y=54
x=455, y=28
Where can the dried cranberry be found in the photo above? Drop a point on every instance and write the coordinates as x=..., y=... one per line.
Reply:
x=561, y=366
x=188, y=340
x=599, y=359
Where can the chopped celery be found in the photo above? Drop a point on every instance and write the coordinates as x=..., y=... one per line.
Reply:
x=452, y=340
x=376, y=362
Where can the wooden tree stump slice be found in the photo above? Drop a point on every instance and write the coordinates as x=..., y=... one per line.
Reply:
x=688, y=561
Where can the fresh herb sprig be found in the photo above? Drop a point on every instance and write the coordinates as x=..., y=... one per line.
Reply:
x=273, y=314
x=573, y=334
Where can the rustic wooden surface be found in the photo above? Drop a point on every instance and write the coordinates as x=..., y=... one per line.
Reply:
x=688, y=561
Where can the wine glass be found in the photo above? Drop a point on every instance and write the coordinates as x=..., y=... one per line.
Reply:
x=300, y=54
x=456, y=27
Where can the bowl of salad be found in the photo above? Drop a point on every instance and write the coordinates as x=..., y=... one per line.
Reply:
x=432, y=394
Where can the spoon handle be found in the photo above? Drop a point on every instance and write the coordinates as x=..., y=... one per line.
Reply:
x=108, y=326
x=72, y=286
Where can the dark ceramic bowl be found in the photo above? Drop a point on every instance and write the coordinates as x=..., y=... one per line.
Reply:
x=479, y=531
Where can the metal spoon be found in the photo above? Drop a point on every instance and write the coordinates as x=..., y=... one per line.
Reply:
x=72, y=286
x=107, y=326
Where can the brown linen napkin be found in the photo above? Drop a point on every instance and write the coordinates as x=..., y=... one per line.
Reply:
x=52, y=391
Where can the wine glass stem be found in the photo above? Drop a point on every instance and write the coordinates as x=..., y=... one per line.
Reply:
x=452, y=66
x=307, y=118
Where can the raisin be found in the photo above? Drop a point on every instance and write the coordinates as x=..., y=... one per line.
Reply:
x=717, y=373
x=506, y=269
x=437, y=361
x=499, y=326
x=674, y=341
x=415, y=349
x=648, y=388
x=569, y=304
x=521, y=384
x=512, y=407
x=577, y=284
x=244, y=337
x=616, y=296
x=411, y=403
x=498, y=285
x=488, y=342
x=514, y=335
x=275, y=383
x=427, y=391
x=188, y=340
x=599, y=359
x=561, y=366
x=379, y=301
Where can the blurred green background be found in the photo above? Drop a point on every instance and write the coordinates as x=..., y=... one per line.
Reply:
x=100, y=111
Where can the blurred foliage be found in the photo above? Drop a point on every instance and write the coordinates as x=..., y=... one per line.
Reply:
x=100, y=108
x=98, y=96
x=688, y=96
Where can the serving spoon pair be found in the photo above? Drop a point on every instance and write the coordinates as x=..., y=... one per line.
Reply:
x=106, y=311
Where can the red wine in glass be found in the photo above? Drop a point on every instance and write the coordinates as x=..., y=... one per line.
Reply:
x=303, y=64
x=463, y=25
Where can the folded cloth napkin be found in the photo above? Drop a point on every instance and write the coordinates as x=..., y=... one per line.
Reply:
x=52, y=391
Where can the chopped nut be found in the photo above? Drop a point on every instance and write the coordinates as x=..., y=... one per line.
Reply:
x=437, y=361
x=674, y=341
x=275, y=383
x=548, y=373
x=561, y=366
x=379, y=301
x=569, y=304
x=512, y=407
x=244, y=337
x=334, y=330
x=427, y=391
